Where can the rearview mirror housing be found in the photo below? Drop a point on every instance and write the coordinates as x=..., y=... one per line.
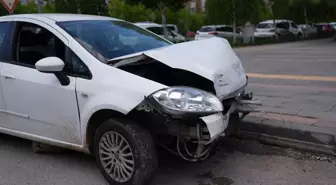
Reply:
x=50, y=65
x=53, y=65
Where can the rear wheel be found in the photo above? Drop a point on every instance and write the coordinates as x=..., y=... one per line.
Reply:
x=125, y=152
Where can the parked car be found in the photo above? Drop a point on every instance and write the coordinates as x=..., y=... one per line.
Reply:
x=109, y=88
x=191, y=34
x=224, y=31
x=284, y=28
x=324, y=30
x=173, y=27
x=308, y=30
x=333, y=24
x=158, y=29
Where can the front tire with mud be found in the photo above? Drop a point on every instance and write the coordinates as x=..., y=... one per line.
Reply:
x=125, y=152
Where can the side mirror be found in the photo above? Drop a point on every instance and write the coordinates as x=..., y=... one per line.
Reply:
x=50, y=65
x=53, y=65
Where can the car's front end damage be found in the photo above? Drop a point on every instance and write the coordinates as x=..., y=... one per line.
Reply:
x=204, y=100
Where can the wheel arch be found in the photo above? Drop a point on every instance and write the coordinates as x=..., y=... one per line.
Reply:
x=96, y=119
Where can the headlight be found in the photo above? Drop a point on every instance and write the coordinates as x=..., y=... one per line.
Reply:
x=187, y=100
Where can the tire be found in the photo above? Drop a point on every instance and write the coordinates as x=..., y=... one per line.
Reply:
x=298, y=37
x=138, y=148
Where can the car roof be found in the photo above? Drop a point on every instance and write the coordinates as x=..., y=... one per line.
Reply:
x=59, y=17
x=216, y=26
x=146, y=24
x=276, y=21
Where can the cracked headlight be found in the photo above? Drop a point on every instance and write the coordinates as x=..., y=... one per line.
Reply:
x=187, y=100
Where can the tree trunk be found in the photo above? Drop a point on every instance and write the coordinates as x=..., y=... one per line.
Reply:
x=234, y=22
x=163, y=17
x=305, y=15
x=39, y=6
x=273, y=17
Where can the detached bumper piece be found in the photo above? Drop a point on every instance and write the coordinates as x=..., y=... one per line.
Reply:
x=246, y=104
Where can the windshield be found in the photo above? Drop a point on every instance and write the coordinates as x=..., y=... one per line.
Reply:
x=264, y=26
x=108, y=39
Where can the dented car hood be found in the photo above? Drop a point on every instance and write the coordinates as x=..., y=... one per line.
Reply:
x=212, y=58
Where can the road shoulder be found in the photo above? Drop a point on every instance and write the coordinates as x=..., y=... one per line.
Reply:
x=290, y=131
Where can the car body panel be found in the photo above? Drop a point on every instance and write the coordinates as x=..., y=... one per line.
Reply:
x=219, y=64
x=37, y=104
x=266, y=29
x=223, y=31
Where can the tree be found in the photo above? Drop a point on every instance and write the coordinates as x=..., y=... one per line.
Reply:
x=132, y=13
x=94, y=7
x=304, y=4
x=234, y=12
x=66, y=6
x=162, y=6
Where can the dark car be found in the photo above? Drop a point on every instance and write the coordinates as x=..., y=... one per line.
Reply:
x=324, y=30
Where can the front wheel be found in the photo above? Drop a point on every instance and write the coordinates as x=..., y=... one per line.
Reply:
x=125, y=152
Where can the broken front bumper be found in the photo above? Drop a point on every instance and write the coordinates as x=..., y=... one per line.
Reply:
x=242, y=103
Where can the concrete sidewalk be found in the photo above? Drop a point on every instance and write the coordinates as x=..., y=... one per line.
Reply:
x=302, y=117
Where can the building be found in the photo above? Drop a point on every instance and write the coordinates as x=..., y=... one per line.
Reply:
x=196, y=6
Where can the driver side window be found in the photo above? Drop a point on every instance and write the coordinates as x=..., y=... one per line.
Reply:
x=33, y=42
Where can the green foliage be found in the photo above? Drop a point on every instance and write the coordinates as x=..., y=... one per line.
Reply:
x=139, y=13
x=66, y=6
x=154, y=4
x=95, y=7
x=316, y=10
x=30, y=7
x=222, y=11
x=132, y=13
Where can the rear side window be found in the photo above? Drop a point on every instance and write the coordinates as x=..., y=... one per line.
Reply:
x=294, y=25
x=207, y=29
x=156, y=30
x=282, y=25
x=219, y=29
x=4, y=35
x=228, y=29
x=171, y=28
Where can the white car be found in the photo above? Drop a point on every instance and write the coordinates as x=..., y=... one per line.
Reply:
x=224, y=31
x=173, y=27
x=106, y=87
x=333, y=24
x=267, y=29
x=158, y=29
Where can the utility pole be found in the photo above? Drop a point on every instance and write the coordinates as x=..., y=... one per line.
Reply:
x=39, y=6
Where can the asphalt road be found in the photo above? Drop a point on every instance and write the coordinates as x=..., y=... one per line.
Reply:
x=237, y=162
x=309, y=58
x=294, y=78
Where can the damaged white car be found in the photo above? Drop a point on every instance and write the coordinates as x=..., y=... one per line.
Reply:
x=109, y=88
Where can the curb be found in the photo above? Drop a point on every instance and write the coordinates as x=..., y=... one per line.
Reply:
x=299, y=136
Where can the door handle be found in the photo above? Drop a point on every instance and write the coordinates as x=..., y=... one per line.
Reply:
x=8, y=76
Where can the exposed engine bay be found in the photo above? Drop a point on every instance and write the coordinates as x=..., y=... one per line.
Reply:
x=190, y=136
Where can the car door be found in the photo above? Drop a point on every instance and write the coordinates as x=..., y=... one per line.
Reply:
x=228, y=31
x=5, y=35
x=37, y=104
x=220, y=32
x=294, y=28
